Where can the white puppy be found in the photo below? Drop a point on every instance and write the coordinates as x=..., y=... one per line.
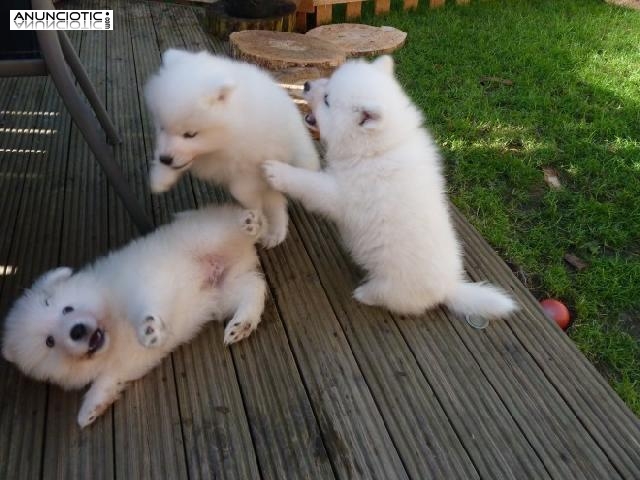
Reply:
x=114, y=320
x=221, y=119
x=385, y=189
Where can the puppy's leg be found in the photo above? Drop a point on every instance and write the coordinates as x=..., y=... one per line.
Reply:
x=275, y=209
x=102, y=393
x=316, y=190
x=246, y=297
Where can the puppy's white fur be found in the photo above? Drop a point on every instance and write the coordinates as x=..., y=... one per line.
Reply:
x=384, y=188
x=221, y=119
x=137, y=304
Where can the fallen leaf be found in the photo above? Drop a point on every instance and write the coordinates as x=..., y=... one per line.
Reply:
x=551, y=178
x=575, y=261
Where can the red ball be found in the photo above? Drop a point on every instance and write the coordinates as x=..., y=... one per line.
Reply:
x=556, y=311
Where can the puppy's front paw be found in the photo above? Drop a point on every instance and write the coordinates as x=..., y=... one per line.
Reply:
x=88, y=414
x=252, y=222
x=237, y=330
x=152, y=332
x=276, y=174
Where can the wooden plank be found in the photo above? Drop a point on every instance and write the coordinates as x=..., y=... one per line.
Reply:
x=334, y=2
x=382, y=6
x=323, y=14
x=148, y=436
x=463, y=418
x=436, y=3
x=354, y=10
x=283, y=426
x=609, y=422
x=410, y=4
x=353, y=429
x=70, y=452
x=23, y=405
x=463, y=2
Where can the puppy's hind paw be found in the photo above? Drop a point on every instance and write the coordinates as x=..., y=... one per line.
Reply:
x=152, y=332
x=237, y=330
x=252, y=222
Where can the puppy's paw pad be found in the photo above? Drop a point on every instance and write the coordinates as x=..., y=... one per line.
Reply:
x=86, y=418
x=152, y=332
x=274, y=237
x=236, y=331
x=252, y=222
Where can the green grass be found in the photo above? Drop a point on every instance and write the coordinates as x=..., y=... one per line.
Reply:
x=574, y=106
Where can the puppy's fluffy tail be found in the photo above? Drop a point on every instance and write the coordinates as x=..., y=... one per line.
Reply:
x=480, y=299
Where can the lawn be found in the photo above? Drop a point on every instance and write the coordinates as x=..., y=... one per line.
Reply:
x=566, y=96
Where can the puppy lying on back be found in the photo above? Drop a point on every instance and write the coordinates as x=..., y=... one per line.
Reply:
x=114, y=320
x=384, y=188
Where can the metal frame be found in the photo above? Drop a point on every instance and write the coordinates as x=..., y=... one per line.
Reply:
x=58, y=57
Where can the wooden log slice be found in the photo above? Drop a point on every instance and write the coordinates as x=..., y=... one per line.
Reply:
x=359, y=40
x=220, y=24
x=279, y=50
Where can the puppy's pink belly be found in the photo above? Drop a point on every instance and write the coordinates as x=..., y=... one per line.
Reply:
x=213, y=270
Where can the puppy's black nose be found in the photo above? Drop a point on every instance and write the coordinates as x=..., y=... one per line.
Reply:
x=307, y=86
x=78, y=331
x=166, y=159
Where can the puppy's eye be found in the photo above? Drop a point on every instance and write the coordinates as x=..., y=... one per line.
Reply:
x=189, y=134
x=50, y=341
x=67, y=309
x=326, y=100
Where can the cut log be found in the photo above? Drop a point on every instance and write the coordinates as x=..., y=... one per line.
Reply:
x=358, y=40
x=276, y=50
x=220, y=24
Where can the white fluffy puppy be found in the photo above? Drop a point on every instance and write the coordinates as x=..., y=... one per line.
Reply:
x=221, y=119
x=114, y=320
x=385, y=189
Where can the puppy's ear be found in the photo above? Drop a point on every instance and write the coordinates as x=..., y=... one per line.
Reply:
x=51, y=278
x=369, y=116
x=221, y=92
x=384, y=63
x=172, y=55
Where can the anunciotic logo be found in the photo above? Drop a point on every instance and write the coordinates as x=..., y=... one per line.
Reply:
x=61, y=19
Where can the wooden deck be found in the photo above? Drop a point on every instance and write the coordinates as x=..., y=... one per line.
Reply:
x=326, y=387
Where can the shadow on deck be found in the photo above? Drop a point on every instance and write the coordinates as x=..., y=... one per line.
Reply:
x=326, y=387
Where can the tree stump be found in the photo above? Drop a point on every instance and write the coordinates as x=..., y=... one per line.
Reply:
x=278, y=51
x=358, y=40
x=220, y=24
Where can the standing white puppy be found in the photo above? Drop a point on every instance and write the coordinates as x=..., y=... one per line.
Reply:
x=114, y=320
x=221, y=119
x=385, y=189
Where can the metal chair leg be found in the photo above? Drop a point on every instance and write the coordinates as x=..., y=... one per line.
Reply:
x=80, y=73
x=86, y=122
